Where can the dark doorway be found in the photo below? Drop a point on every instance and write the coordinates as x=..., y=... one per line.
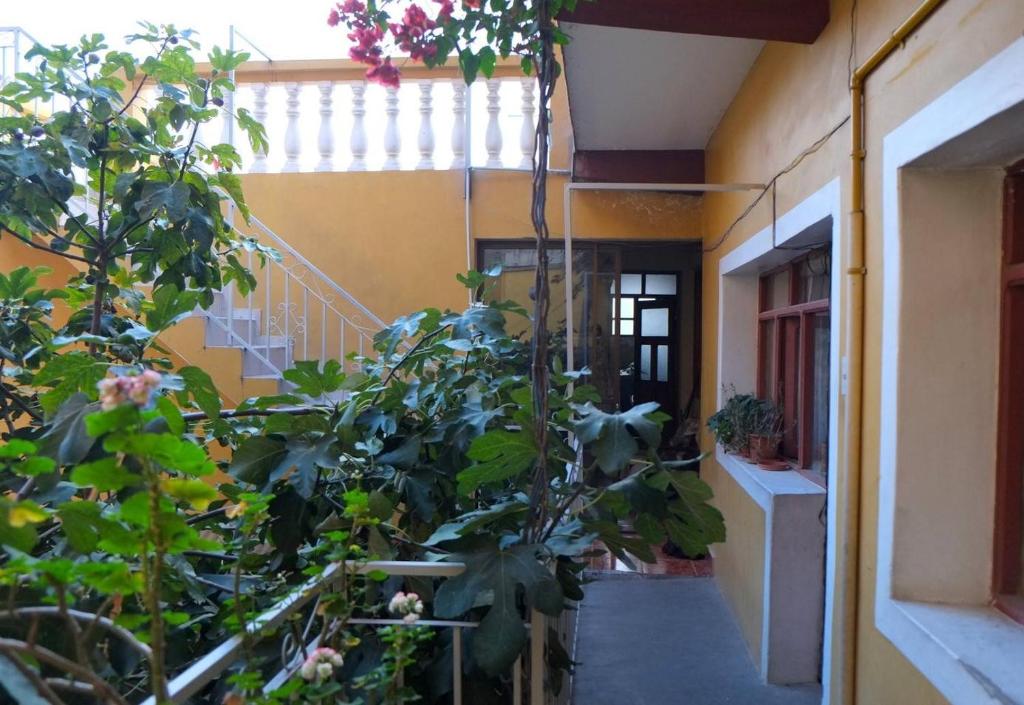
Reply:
x=633, y=302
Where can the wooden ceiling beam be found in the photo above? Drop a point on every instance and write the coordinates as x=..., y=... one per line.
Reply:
x=625, y=166
x=798, y=21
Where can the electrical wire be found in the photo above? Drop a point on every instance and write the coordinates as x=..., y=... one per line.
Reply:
x=803, y=155
x=771, y=182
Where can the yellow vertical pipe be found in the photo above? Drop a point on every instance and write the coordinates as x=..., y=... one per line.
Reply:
x=847, y=582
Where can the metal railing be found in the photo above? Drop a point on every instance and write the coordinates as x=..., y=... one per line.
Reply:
x=216, y=662
x=297, y=312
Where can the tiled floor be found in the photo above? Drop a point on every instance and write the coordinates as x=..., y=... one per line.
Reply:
x=665, y=565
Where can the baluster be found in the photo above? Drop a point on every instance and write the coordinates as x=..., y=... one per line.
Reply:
x=357, y=141
x=323, y=334
x=292, y=137
x=459, y=126
x=392, y=137
x=426, y=137
x=325, y=139
x=528, y=132
x=492, y=138
x=259, y=112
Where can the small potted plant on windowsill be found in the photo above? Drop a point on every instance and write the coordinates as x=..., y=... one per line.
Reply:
x=731, y=424
x=766, y=434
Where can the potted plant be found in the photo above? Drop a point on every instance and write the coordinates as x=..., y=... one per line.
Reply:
x=732, y=423
x=766, y=423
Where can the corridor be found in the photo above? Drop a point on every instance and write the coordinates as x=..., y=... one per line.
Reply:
x=646, y=640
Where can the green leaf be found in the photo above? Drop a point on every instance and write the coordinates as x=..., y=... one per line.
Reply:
x=305, y=457
x=106, y=475
x=500, y=575
x=69, y=373
x=156, y=195
x=67, y=441
x=203, y=391
x=488, y=60
x=500, y=455
x=612, y=437
x=256, y=459
x=310, y=380
x=695, y=524
x=196, y=492
x=170, y=452
x=468, y=523
x=172, y=416
x=169, y=306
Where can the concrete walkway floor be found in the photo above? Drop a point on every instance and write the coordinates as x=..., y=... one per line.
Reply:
x=667, y=641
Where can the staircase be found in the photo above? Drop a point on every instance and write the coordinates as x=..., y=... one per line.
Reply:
x=297, y=312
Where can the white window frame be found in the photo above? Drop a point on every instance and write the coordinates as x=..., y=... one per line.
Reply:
x=798, y=514
x=944, y=624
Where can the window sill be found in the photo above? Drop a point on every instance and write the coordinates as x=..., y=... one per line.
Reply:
x=763, y=485
x=972, y=654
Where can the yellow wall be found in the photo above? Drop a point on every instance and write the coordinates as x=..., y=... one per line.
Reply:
x=396, y=239
x=793, y=96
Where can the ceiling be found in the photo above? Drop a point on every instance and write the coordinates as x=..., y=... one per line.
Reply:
x=636, y=89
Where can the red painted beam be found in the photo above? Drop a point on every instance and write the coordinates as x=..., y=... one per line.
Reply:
x=775, y=20
x=627, y=166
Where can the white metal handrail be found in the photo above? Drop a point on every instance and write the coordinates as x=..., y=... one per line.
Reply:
x=213, y=664
x=297, y=313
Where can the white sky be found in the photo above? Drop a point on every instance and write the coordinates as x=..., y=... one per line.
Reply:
x=294, y=29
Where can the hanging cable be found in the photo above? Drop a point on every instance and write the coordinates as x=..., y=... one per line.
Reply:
x=771, y=182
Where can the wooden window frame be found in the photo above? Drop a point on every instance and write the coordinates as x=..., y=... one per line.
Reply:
x=800, y=358
x=1008, y=564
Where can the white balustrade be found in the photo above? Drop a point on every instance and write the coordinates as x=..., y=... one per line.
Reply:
x=426, y=124
x=493, y=138
x=259, y=112
x=325, y=138
x=426, y=136
x=528, y=131
x=392, y=137
x=292, y=136
x=458, y=124
x=357, y=141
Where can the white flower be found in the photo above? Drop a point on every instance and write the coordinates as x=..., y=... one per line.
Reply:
x=320, y=664
x=407, y=605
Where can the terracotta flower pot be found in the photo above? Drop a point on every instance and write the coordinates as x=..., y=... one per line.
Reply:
x=764, y=449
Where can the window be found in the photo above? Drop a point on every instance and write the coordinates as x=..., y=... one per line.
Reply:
x=638, y=287
x=793, y=355
x=1009, y=548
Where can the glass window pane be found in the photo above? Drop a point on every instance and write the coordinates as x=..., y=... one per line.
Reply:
x=632, y=283
x=815, y=277
x=663, y=363
x=645, y=362
x=661, y=284
x=777, y=295
x=820, y=331
x=654, y=322
x=625, y=308
x=625, y=327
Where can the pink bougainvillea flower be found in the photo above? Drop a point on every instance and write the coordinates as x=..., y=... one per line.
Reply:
x=386, y=74
x=472, y=4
